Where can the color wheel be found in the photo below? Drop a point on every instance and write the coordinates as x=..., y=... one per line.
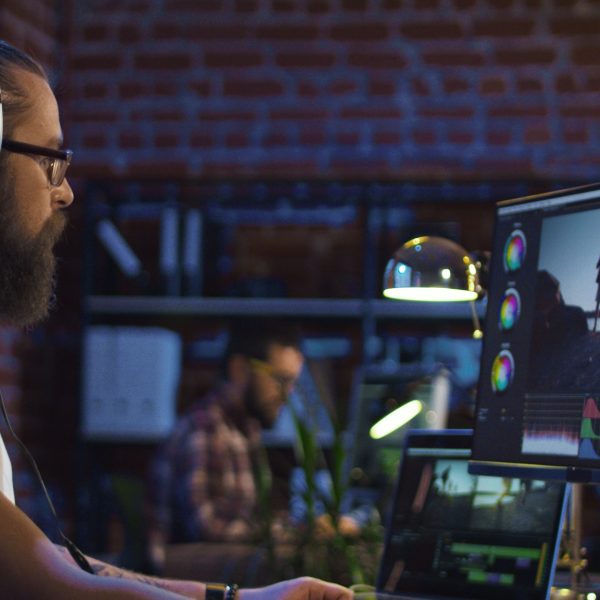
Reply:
x=510, y=309
x=503, y=370
x=515, y=250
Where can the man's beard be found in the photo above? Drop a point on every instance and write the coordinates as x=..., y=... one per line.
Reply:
x=27, y=265
x=257, y=410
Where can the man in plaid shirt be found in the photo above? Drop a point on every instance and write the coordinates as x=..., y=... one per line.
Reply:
x=203, y=483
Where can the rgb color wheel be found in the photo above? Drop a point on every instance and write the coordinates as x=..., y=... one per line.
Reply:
x=503, y=371
x=515, y=250
x=510, y=309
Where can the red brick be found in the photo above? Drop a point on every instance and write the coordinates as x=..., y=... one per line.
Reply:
x=420, y=86
x=101, y=61
x=347, y=138
x=566, y=83
x=387, y=138
x=498, y=138
x=220, y=32
x=464, y=4
x=576, y=136
x=354, y=5
x=225, y=60
x=370, y=112
x=246, y=6
x=576, y=26
x=381, y=88
x=287, y=32
x=298, y=113
x=493, y=85
x=199, y=6
x=454, y=85
x=360, y=32
x=314, y=60
x=450, y=112
x=340, y=88
x=275, y=138
x=518, y=111
x=454, y=58
x=129, y=34
x=426, y=4
x=587, y=55
x=201, y=140
x=226, y=115
x=537, y=135
x=95, y=91
x=105, y=116
x=131, y=89
x=314, y=137
x=308, y=89
x=424, y=137
x=168, y=30
x=501, y=4
x=318, y=7
x=436, y=30
x=528, y=85
x=202, y=88
x=172, y=61
x=377, y=60
x=581, y=111
x=237, y=139
x=503, y=27
x=95, y=33
x=257, y=88
x=166, y=140
x=529, y=56
x=461, y=137
x=94, y=141
x=130, y=141
x=157, y=114
x=283, y=6
x=389, y=5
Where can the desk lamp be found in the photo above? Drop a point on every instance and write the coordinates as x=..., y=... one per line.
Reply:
x=434, y=269
x=429, y=269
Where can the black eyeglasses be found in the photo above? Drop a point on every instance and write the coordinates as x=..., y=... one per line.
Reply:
x=56, y=166
x=285, y=382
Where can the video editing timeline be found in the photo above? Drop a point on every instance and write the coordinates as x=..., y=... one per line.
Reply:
x=466, y=530
x=538, y=398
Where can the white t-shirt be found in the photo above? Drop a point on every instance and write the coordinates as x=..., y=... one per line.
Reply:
x=6, y=479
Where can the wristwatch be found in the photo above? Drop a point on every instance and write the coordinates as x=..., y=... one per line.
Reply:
x=221, y=591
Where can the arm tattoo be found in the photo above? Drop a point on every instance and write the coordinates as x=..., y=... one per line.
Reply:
x=103, y=569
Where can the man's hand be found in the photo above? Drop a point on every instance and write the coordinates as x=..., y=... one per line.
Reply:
x=303, y=588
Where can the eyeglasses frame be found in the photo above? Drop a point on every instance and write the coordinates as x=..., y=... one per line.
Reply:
x=30, y=149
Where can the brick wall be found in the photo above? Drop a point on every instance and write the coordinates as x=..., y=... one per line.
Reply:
x=390, y=88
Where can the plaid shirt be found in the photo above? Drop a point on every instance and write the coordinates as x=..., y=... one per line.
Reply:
x=202, y=484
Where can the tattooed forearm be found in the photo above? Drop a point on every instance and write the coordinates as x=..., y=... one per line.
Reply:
x=190, y=589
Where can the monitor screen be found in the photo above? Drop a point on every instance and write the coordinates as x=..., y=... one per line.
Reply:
x=538, y=397
x=451, y=534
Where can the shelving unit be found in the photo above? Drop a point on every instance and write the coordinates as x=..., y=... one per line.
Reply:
x=281, y=307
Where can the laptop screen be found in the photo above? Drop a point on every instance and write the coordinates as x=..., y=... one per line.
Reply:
x=451, y=534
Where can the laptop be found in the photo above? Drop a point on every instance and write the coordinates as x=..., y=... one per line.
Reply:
x=455, y=535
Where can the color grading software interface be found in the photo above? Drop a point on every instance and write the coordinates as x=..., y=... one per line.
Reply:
x=539, y=387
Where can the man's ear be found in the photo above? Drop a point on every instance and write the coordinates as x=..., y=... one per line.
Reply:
x=238, y=370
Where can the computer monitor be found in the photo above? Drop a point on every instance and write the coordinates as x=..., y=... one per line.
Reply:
x=538, y=396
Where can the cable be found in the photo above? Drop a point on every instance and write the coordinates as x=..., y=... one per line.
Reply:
x=74, y=551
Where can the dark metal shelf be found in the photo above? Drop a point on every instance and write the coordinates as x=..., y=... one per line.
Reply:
x=283, y=307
